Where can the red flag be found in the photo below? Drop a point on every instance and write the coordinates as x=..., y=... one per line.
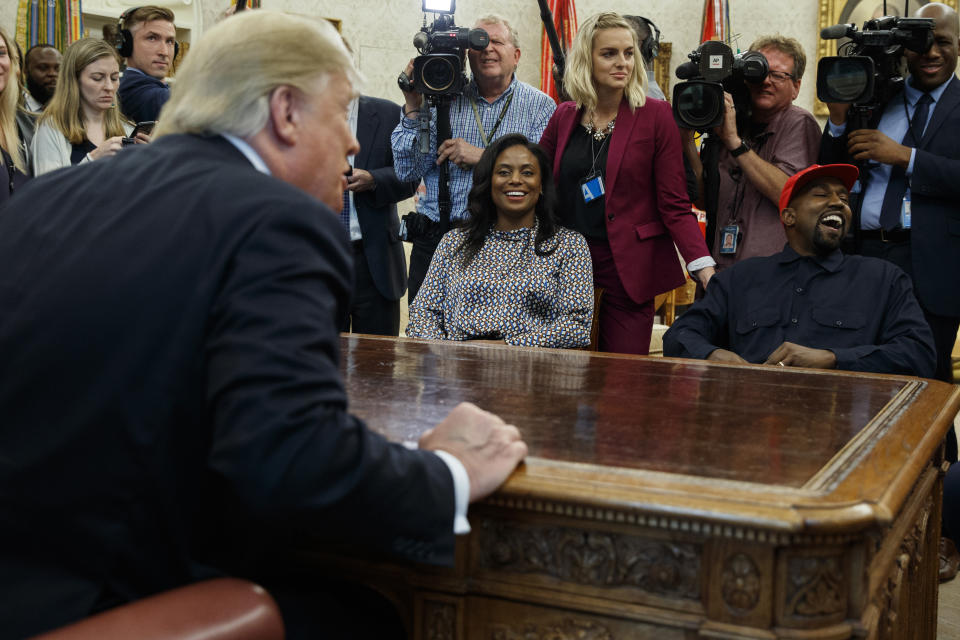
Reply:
x=716, y=21
x=565, y=21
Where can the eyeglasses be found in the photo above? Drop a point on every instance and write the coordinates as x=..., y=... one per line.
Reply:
x=779, y=77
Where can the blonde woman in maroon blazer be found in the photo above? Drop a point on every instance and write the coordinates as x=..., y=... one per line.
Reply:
x=618, y=168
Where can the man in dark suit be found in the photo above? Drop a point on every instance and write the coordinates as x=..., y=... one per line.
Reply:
x=168, y=324
x=370, y=212
x=908, y=209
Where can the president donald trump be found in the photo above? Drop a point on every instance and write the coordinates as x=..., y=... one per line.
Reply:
x=168, y=325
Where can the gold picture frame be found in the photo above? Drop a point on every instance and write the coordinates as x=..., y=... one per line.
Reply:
x=661, y=68
x=853, y=11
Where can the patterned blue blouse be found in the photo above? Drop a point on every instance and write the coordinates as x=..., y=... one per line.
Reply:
x=508, y=291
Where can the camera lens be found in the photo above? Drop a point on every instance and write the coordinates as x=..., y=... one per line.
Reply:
x=698, y=105
x=438, y=73
x=844, y=79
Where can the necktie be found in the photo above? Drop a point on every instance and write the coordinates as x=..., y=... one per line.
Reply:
x=897, y=186
x=345, y=211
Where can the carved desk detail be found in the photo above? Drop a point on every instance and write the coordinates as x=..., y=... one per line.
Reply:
x=815, y=587
x=592, y=558
x=569, y=629
x=740, y=583
x=440, y=620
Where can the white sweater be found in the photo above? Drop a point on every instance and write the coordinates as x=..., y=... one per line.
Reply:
x=51, y=149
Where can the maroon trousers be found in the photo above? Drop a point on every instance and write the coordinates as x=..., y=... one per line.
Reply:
x=625, y=326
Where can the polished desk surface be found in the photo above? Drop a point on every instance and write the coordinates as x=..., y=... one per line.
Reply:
x=789, y=449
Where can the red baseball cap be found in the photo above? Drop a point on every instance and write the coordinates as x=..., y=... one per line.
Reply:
x=846, y=173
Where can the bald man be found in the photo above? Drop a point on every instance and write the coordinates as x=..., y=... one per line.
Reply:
x=908, y=211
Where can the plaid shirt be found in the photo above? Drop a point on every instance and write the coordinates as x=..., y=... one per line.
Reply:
x=528, y=114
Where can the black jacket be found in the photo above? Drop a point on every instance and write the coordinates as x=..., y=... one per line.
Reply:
x=170, y=363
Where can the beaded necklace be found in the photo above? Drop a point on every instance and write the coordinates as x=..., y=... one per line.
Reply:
x=598, y=133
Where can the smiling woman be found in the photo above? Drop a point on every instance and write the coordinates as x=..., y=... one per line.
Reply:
x=82, y=122
x=510, y=274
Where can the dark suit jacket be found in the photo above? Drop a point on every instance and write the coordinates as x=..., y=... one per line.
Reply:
x=141, y=97
x=377, y=209
x=935, y=193
x=170, y=361
x=646, y=195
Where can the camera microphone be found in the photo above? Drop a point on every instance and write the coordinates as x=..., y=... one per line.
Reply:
x=835, y=32
x=421, y=40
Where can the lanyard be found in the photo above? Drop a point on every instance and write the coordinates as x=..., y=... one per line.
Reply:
x=596, y=154
x=476, y=114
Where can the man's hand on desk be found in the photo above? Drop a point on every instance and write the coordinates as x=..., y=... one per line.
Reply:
x=488, y=448
x=722, y=355
x=789, y=354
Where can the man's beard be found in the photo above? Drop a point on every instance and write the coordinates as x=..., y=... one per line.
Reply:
x=39, y=92
x=824, y=247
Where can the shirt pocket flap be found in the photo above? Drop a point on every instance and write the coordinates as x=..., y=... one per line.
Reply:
x=650, y=229
x=766, y=317
x=839, y=318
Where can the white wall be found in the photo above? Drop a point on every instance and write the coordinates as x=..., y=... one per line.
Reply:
x=380, y=31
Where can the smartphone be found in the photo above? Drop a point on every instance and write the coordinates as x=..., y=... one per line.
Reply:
x=145, y=127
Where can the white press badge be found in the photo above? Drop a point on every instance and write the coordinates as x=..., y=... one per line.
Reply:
x=592, y=186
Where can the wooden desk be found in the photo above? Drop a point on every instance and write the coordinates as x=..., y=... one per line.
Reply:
x=672, y=499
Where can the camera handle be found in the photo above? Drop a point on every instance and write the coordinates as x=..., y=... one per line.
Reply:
x=423, y=130
x=444, y=205
x=710, y=160
x=859, y=117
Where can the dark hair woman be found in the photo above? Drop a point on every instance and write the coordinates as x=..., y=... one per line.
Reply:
x=510, y=273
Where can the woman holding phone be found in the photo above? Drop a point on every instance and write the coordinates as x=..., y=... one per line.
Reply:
x=82, y=122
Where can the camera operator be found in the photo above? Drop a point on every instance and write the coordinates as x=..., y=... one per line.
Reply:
x=919, y=175
x=780, y=140
x=494, y=103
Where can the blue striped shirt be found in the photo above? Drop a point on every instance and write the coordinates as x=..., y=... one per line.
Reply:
x=528, y=113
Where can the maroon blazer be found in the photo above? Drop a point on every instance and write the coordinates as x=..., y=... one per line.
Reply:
x=646, y=198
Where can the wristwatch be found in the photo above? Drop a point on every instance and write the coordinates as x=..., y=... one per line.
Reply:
x=739, y=151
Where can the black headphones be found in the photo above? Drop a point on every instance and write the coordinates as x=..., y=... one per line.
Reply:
x=650, y=48
x=125, y=38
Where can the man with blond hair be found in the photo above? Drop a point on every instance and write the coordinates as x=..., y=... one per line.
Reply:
x=177, y=394
x=147, y=39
